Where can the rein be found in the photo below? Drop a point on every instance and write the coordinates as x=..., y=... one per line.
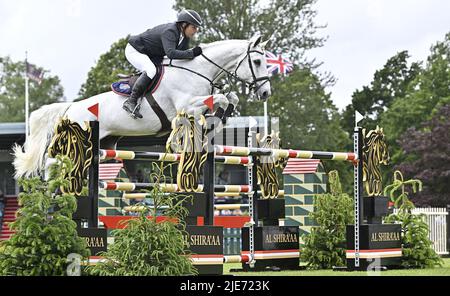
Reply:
x=230, y=75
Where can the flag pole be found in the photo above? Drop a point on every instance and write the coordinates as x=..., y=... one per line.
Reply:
x=26, y=95
x=266, y=119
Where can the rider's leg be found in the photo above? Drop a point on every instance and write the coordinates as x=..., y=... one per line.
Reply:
x=139, y=87
x=143, y=63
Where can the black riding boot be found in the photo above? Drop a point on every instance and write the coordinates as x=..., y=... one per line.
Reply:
x=139, y=87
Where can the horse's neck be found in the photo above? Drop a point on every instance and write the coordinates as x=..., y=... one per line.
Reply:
x=226, y=53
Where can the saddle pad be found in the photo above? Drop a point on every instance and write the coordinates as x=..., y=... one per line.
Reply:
x=124, y=86
x=121, y=88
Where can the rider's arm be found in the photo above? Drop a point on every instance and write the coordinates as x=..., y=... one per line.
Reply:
x=170, y=40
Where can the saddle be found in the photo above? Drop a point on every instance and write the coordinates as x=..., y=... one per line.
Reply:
x=124, y=86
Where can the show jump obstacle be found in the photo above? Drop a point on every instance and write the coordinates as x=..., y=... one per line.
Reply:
x=265, y=244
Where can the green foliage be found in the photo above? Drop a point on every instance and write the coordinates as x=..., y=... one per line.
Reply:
x=12, y=91
x=425, y=94
x=416, y=246
x=45, y=232
x=325, y=246
x=403, y=95
x=389, y=83
x=105, y=71
x=147, y=247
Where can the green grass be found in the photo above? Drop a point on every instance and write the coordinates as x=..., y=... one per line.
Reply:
x=437, y=271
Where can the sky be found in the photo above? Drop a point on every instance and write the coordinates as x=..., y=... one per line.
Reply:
x=67, y=37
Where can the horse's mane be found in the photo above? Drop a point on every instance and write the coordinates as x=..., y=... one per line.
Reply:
x=207, y=47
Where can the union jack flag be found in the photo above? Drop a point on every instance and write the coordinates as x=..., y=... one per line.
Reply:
x=278, y=64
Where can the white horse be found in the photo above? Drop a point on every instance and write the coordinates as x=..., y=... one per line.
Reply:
x=180, y=90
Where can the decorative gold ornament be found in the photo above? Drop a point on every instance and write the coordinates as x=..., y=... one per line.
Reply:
x=188, y=137
x=266, y=173
x=71, y=140
x=375, y=153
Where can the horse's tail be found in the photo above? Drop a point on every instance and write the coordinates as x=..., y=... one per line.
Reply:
x=29, y=159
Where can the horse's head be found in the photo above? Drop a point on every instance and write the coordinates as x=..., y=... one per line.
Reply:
x=252, y=68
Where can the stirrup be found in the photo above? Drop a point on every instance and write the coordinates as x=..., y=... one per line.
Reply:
x=136, y=109
x=133, y=112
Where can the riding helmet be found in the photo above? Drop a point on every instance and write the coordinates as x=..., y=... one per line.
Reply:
x=190, y=16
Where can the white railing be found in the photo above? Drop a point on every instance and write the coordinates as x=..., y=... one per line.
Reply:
x=436, y=218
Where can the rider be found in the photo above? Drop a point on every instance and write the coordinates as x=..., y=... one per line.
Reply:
x=148, y=49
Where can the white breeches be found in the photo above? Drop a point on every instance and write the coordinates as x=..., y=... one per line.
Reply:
x=140, y=61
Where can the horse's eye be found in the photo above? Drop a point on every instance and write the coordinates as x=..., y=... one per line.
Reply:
x=257, y=62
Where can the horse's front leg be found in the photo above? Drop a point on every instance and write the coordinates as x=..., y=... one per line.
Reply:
x=233, y=101
x=197, y=105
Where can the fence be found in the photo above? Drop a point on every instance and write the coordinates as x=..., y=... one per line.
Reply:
x=436, y=218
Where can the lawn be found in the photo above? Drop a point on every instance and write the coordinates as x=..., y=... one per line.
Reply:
x=437, y=271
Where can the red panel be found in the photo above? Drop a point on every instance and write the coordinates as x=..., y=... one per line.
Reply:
x=231, y=221
x=113, y=222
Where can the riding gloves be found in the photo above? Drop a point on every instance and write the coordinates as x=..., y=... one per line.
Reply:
x=197, y=51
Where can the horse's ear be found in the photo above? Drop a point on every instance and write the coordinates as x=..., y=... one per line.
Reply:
x=255, y=40
x=263, y=44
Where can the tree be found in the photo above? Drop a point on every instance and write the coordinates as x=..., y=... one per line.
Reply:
x=45, y=232
x=423, y=97
x=12, y=91
x=388, y=83
x=105, y=71
x=147, y=246
x=325, y=246
x=427, y=153
x=402, y=96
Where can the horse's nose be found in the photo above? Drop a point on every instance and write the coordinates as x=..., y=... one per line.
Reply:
x=265, y=95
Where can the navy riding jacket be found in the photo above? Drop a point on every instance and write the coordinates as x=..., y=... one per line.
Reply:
x=160, y=41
